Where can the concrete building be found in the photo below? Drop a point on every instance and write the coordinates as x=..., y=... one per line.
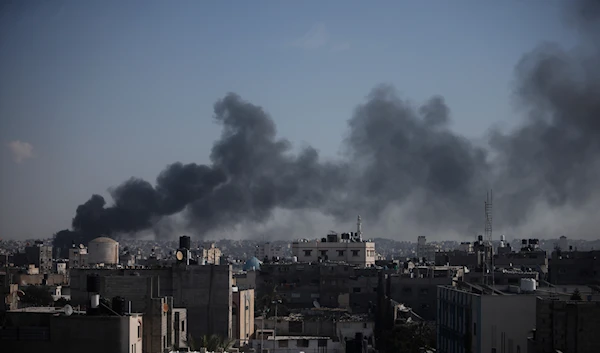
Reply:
x=563, y=243
x=212, y=255
x=242, y=315
x=39, y=255
x=78, y=257
x=269, y=251
x=103, y=250
x=336, y=248
x=425, y=252
x=468, y=321
x=345, y=247
x=49, y=330
x=205, y=291
x=333, y=325
x=418, y=289
x=574, y=267
x=566, y=326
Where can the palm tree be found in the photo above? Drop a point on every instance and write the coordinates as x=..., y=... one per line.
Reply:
x=214, y=342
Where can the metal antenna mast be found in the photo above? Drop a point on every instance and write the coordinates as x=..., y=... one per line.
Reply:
x=489, y=256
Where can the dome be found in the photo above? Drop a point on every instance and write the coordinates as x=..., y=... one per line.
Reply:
x=103, y=250
x=253, y=264
x=103, y=240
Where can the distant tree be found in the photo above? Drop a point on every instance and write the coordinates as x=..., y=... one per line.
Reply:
x=576, y=295
x=214, y=342
x=37, y=296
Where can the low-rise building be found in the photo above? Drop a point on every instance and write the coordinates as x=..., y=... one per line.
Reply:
x=478, y=322
x=566, y=326
x=52, y=330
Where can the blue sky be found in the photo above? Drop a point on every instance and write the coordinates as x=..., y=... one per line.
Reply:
x=94, y=92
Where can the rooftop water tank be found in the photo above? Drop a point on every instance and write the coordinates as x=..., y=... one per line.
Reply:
x=528, y=285
x=103, y=250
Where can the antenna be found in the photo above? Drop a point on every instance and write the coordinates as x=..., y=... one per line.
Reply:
x=489, y=256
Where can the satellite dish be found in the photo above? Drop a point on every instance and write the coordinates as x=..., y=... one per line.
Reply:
x=68, y=310
x=165, y=308
x=316, y=304
x=179, y=255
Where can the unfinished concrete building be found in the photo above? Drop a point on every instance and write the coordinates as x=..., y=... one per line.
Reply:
x=205, y=291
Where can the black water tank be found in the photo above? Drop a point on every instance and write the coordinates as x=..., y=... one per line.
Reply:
x=185, y=242
x=119, y=305
x=93, y=283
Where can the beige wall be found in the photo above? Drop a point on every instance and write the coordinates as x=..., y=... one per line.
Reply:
x=243, y=326
x=365, y=257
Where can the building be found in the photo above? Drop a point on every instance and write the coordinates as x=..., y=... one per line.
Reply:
x=212, y=254
x=103, y=250
x=574, y=267
x=418, y=289
x=242, y=316
x=563, y=243
x=51, y=330
x=345, y=247
x=425, y=252
x=477, y=322
x=78, y=257
x=39, y=255
x=269, y=251
x=205, y=291
x=566, y=326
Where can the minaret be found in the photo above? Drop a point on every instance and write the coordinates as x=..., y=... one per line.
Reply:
x=358, y=228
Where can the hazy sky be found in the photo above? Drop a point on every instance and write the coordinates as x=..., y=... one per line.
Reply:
x=94, y=92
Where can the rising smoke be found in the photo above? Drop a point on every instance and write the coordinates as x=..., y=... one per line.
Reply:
x=398, y=156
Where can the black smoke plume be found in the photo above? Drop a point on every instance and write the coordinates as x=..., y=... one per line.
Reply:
x=397, y=154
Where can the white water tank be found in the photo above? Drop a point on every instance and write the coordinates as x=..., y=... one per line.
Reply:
x=528, y=285
x=103, y=250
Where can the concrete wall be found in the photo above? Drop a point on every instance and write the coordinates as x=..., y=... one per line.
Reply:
x=243, y=320
x=420, y=294
x=35, y=332
x=361, y=254
x=204, y=290
x=506, y=321
x=54, y=279
x=569, y=326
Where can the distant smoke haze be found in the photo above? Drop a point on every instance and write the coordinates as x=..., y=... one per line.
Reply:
x=403, y=169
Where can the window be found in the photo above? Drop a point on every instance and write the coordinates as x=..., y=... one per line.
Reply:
x=474, y=329
x=407, y=290
x=322, y=343
x=340, y=253
x=307, y=252
x=183, y=326
x=283, y=343
x=139, y=331
x=356, y=290
x=302, y=343
x=354, y=252
x=323, y=252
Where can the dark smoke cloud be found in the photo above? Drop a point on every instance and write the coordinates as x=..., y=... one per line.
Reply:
x=397, y=153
